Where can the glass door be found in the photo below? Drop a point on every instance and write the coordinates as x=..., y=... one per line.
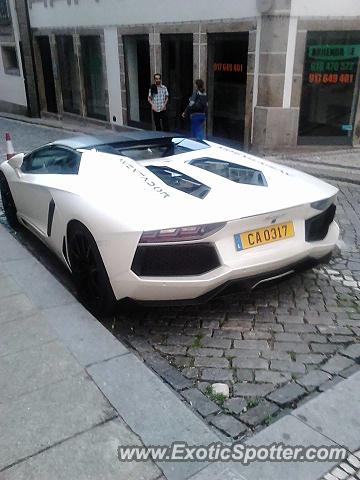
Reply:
x=68, y=74
x=227, y=76
x=329, y=95
x=177, y=75
x=47, y=69
x=137, y=66
x=93, y=76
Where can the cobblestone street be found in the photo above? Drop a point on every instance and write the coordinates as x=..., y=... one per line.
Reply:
x=274, y=348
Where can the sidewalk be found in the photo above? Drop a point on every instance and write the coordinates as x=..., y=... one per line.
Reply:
x=341, y=164
x=70, y=393
x=82, y=126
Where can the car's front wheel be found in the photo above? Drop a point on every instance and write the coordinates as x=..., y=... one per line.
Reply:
x=8, y=203
x=91, y=279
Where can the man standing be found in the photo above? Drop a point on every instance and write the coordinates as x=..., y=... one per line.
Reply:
x=158, y=99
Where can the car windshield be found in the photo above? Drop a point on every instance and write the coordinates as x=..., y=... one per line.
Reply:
x=152, y=149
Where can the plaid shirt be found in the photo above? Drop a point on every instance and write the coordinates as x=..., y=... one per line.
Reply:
x=159, y=98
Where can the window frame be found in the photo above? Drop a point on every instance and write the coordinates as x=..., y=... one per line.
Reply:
x=29, y=157
x=8, y=51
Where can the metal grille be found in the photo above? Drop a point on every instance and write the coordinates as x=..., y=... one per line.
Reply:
x=4, y=13
x=316, y=228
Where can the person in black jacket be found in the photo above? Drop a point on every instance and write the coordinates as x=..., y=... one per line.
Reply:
x=197, y=108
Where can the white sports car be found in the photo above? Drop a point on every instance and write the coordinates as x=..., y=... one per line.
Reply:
x=155, y=217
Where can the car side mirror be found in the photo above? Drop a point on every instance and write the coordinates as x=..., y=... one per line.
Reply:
x=16, y=161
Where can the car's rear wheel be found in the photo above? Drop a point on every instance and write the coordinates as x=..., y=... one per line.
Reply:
x=89, y=272
x=8, y=204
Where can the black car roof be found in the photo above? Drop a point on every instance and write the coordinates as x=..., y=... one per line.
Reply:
x=88, y=141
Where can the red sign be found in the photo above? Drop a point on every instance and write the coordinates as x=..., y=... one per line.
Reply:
x=331, y=78
x=228, y=67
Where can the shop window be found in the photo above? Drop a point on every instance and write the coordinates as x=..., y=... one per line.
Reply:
x=10, y=61
x=4, y=13
x=329, y=92
x=68, y=74
x=93, y=76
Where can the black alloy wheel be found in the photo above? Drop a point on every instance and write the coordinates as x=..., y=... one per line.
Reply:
x=91, y=279
x=8, y=203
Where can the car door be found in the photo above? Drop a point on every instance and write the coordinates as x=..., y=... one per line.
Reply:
x=40, y=172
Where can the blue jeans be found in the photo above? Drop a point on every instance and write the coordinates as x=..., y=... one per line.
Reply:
x=198, y=125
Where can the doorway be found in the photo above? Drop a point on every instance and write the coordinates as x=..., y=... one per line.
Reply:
x=94, y=81
x=227, y=76
x=177, y=75
x=137, y=66
x=69, y=77
x=48, y=74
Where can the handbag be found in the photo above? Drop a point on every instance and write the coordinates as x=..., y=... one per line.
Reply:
x=199, y=105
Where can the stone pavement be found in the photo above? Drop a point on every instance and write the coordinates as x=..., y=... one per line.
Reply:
x=280, y=336
x=22, y=132
x=276, y=349
x=320, y=422
x=55, y=422
x=70, y=393
x=339, y=164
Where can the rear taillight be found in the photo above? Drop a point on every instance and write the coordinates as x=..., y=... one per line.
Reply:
x=181, y=234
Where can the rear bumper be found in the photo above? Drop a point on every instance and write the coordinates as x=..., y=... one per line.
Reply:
x=240, y=285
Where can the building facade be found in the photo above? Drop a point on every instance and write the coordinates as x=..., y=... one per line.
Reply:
x=278, y=72
x=12, y=86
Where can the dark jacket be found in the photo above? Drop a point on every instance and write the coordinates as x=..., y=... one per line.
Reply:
x=198, y=103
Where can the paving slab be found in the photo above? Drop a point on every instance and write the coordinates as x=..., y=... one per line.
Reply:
x=35, y=368
x=287, y=430
x=17, y=307
x=169, y=373
x=200, y=402
x=259, y=414
x=10, y=250
x=91, y=455
x=38, y=283
x=287, y=395
x=82, y=334
x=8, y=287
x=219, y=471
x=353, y=351
x=151, y=409
x=336, y=364
x=229, y=425
x=36, y=421
x=336, y=413
x=24, y=333
x=313, y=379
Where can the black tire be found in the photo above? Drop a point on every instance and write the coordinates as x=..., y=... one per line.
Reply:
x=90, y=276
x=9, y=204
